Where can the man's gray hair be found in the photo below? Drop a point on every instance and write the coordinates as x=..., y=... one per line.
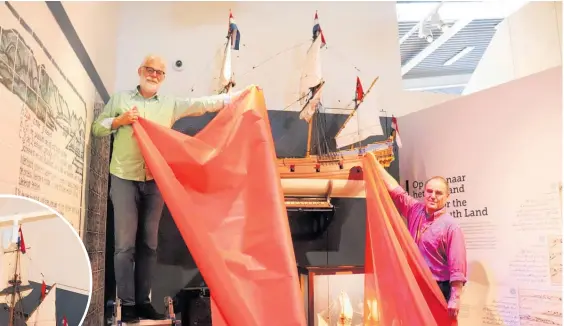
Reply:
x=443, y=180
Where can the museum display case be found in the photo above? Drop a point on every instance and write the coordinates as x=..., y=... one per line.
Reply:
x=333, y=295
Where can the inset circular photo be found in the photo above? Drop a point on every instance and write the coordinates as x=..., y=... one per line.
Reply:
x=45, y=273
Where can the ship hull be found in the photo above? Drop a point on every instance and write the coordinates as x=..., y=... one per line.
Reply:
x=340, y=176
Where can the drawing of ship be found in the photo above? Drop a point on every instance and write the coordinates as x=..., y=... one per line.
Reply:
x=15, y=287
x=324, y=172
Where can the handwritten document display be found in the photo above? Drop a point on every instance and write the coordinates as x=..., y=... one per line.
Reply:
x=503, y=310
x=555, y=259
x=540, y=307
x=541, y=212
x=489, y=305
x=44, y=125
x=530, y=265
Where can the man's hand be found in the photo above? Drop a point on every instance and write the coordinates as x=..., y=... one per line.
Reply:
x=126, y=118
x=454, y=301
x=453, y=307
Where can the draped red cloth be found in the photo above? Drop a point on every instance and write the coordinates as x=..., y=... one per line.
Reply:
x=396, y=278
x=224, y=194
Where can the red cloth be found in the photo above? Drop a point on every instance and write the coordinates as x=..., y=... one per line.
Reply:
x=396, y=274
x=224, y=193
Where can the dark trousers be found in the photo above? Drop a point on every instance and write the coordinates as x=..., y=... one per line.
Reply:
x=138, y=208
x=445, y=288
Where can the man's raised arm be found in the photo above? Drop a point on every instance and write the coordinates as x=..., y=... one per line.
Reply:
x=185, y=107
x=401, y=198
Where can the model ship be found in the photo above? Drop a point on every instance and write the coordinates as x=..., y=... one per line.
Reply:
x=15, y=286
x=325, y=171
x=309, y=181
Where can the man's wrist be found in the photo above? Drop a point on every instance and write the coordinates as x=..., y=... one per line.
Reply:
x=116, y=123
x=456, y=289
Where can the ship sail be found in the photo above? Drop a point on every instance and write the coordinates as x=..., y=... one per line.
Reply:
x=46, y=313
x=355, y=134
x=226, y=78
x=311, y=81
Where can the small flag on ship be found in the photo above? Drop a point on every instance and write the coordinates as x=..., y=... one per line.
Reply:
x=234, y=34
x=317, y=30
x=21, y=241
x=43, y=290
x=395, y=128
x=359, y=90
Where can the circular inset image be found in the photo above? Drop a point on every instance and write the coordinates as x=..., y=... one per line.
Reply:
x=45, y=273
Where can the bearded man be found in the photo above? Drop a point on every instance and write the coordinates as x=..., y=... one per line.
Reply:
x=137, y=201
x=436, y=233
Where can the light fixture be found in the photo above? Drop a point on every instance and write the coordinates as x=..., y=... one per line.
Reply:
x=459, y=55
x=425, y=32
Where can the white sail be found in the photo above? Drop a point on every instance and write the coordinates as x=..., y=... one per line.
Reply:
x=352, y=134
x=46, y=313
x=226, y=68
x=311, y=74
x=313, y=105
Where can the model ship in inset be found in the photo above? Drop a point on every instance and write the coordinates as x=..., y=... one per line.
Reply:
x=15, y=286
x=309, y=181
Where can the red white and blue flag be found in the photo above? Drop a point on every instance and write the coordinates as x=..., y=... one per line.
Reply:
x=21, y=241
x=233, y=34
x=395, y=128
x=317, y=30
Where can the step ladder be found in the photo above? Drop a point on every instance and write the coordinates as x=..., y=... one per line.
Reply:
x=169, y=308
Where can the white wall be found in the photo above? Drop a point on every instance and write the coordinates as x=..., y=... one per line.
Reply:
x=99, y=38
x=528, y=41
x=358, y=34
x=506, y=144
x=56, y=254
x=33, y=138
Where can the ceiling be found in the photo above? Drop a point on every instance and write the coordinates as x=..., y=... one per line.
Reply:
x=470, y=24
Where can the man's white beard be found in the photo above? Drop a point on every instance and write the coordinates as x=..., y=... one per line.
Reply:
x=148, y=86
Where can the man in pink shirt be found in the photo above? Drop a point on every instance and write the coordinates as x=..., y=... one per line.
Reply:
x=436, y=233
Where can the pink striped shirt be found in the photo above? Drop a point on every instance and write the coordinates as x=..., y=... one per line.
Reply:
x=439, y=237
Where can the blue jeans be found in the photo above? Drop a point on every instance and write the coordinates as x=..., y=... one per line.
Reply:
x=138, y=208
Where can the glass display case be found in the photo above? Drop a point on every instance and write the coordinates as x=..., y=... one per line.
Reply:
x=333, y=296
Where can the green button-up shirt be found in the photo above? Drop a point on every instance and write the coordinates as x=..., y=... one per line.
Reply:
x=127, y=161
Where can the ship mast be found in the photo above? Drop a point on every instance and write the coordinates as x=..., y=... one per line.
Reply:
x=357, y=102
x=311, y=82
x=15, y=296
x=233, y=39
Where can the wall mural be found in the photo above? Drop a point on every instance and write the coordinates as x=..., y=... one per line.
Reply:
x=46, y=159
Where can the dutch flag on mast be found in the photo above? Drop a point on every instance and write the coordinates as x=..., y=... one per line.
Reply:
x=317, y=30
x=233, y=33
x=21, y=241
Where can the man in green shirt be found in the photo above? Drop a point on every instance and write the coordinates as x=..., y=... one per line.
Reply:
x=136, y=199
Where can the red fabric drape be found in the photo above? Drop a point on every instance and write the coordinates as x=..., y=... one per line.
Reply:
x=396, y=278
x=224, y=193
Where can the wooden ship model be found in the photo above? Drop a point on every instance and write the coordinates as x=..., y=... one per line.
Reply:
x=309, y=182
x=14, y=285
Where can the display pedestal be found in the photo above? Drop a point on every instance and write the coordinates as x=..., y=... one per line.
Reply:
x=333, y=295
x=196, y=307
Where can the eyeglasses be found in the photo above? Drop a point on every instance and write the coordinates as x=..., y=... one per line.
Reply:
x=151, y=71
